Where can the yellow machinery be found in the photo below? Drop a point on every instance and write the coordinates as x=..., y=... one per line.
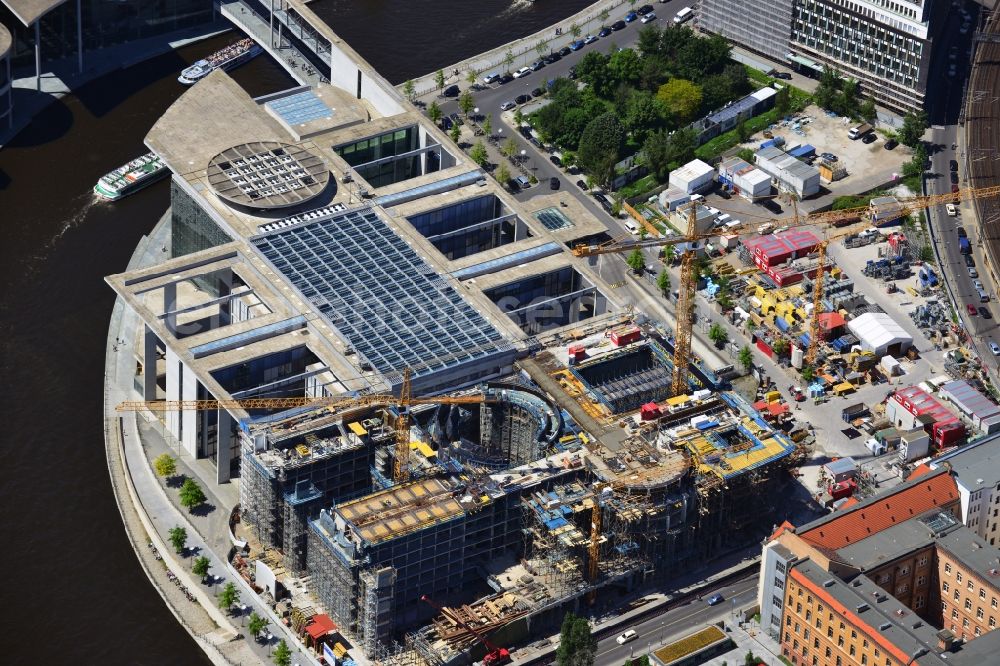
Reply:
x=400, y=464
x=686, y=290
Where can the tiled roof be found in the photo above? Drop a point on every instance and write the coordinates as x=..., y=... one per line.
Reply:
x=866, y=518
x=780, y=530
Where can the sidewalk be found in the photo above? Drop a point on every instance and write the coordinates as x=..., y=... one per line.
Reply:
x=157, y=509
x=527, y=49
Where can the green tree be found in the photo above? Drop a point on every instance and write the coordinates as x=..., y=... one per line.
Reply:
x=576, y=645
x=594, y=71
x=434, y=112
x=636, y=260
x=745, y=358
x=409, y=89
x=827, y=93
x=470, y=77
x=663, y=282
x=681, y=97
x=750, y=659
x=518, y=117
x=502, y=174
x=626, y=66
x=439, y=79
x=201, y=566
x=781, y=347
x=783, y=100
x=256, y=624
x=282, y=655
x=488, y=125
x=165, y=465
x=574, y=30
x=867, y=111
x=509, y=148
x=178, y=537
x=669, y=254
x=665, y=152
x=600, y=145
x=228, y=597
x=849, y=96
x=745, y=154
x=508, y=59
x=916, y=165
x=478, y=154
x=466, y=103
x=643, y=114
x=718, y=335
x=742, y=131
x=455, y=132
x=808, y=373
x=605, y=14
x=540, y=49
x=192, y=495
x=914, y=126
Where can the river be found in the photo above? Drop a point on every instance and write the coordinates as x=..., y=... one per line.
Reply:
x=74, y=592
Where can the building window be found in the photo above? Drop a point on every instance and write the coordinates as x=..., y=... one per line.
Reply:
x=808, y=614
x=922, y=561
x=779, y=567
x=854, y=634
x=839, y=662
x=993, y=602
x=828, y=652
x=796, y=628
x=798, y=608
x=958, y=595
x=982, y=593
x=945, y=586
x=968, y=604
x=788, y=621
x=904, y=570
x=864, y=659
x=819, y=623
x=829, y=632
x=805, y=634
x=954, y=613
x=921, y=580
x=816, y=643
x=965, y=622
x=776, y=601
x=819, y=608
x=971, y=586
x=979, y=613
x=958, y=577
x=977, y=632
x=947, y=567
x=902, y=589
x=840, y=641
x=851, y=651
x=993, y=622
x=778, y=583
x=919, y=603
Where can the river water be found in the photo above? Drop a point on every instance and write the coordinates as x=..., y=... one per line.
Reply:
x=72, y=591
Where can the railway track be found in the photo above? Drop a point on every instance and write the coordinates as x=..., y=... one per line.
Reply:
x=982, y=153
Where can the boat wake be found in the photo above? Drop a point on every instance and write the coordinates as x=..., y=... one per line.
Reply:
x=83, y=204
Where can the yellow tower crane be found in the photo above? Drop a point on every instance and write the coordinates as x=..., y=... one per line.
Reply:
x=401, y=468
x=687, y=288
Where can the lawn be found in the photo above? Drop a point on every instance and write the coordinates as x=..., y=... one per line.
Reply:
x=690, y=644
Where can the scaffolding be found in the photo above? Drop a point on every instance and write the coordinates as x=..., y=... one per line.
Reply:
x=377, y=587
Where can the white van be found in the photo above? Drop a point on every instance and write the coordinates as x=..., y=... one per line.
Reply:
x=631, y=225
x=684, y=15
x=952, y=211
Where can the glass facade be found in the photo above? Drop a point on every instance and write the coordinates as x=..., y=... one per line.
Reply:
x=191, y=229
x=375, y=158
x=104, y=24
x=470, y=226
x=761, y=26
x=543, y=302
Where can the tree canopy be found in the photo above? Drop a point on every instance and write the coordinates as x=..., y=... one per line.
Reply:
x=282, y=655
x=256, y=624
x=165, y=465
x=914, y=126
x=201, y=566
x=577, y=647
x=636, y=260
x=665, y=152
x=681, y=97
x=229, y=596
x=192, y=495
x=178, y=538
x=600, y=146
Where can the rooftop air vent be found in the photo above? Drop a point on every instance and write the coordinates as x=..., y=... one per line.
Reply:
x=884, y=626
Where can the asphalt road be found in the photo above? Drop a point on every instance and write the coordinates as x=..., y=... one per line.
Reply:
x=676, y=623
x=943, y=112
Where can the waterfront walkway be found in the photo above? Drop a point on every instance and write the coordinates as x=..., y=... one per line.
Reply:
x=528, y=49
x=149, y=509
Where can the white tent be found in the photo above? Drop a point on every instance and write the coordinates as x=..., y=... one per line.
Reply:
x=879, y=333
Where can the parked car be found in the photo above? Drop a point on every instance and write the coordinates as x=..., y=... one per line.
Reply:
x=953, y=165
x=506, y=78
x=618, y=25
x=716, y=599
x=537, y=65
x=782, y=75
x=971, y=309
x=491, y=78
x=582, y=184
x=631, y=16
x=446, y=123
x=645, y=9
x=869, y=138
x=954, y=177
x=551, y=58
x=524, y=71
x=450, y=91
x=456, y=119
x=978, y=285
x=555, y=160
x=986, y=314
x=589, y=39
x=829, y=157
x=553, y=183
x=522, y=99
x=969, y=260
x=603, y=200
x=537, y=92
x=648, y=18
x=604, y=31
x=507, y=106
x=523, y=182
x=954, y=188
x=973, y=273
x=577, y=45
x=724, y=193
x=890, y=144
x=565, y=51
